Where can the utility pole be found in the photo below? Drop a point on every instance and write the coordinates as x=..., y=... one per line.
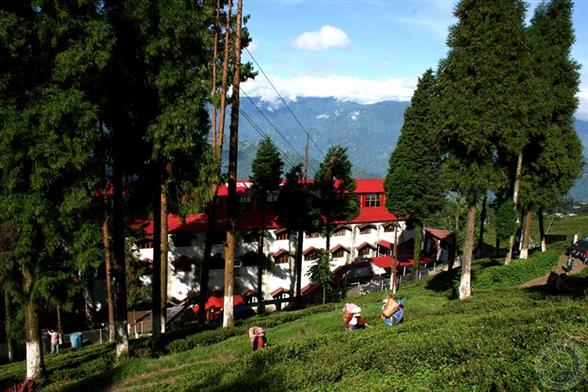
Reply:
x=232, y=197
x=306, y=157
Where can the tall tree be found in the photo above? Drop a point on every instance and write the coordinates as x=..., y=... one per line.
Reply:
x=297, y=212
x=266, y=176
x=481, y=102
x=321, y=272
x=414, y=169
x=333, y=188
x=555, y=150
x=233, y=201
x=48, y=117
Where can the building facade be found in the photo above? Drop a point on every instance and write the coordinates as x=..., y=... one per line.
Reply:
x=370, y=234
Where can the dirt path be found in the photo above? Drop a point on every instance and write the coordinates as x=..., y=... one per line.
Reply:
x=541, y=281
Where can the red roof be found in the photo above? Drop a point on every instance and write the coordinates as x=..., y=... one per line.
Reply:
x=369, y=185
x=310, y=249
x=337, y=247
x=439, y=233
x=217, y=300
x=364, y=244
x=385, y=244
x=278, y=291
x=386, y=262
x=279, y=252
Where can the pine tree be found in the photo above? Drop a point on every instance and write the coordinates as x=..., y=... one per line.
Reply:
x=481, y=102
x=555, y=152
x=48, y=128
x=297, y=212
x=321, y=272
x=333, y=188
x=266, y=176
x=411, y=184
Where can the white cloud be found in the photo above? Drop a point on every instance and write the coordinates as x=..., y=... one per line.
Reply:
x=327, y=37
x=345, y=88
x=582, y=112
x=322, y=116
x=354, y=115
x=253, y=46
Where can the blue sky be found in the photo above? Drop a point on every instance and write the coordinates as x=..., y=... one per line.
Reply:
x=364, y=51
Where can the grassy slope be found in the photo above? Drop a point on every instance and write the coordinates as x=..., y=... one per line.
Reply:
x=489, y=342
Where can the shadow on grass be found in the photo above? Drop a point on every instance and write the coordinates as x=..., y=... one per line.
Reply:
x=448, y=281
x=575, y=287
x=98, y=382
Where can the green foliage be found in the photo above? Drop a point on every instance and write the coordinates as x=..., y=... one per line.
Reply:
x=412, y=183
x=518, y=272
x=136, y=269
x=333, y=189
x=505, y=220
x=266, y=168
x=295, y=207
x=321, y=272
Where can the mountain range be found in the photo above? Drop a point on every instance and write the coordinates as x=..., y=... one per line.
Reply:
x=369, y=131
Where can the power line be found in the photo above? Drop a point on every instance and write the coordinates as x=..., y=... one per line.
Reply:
x=284, y=102
x=263, y=134
x=273, y=126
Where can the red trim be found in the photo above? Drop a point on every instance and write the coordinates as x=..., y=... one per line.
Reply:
x=310, y=249
x=337, y=247
x=385, y=244
x=280, y=252
x=279, y=290
x=363, y=245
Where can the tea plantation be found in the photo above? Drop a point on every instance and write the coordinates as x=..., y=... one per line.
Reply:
x=505, y=338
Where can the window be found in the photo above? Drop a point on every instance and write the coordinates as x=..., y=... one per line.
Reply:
x=372, y=200
x=313, y=234
x=284, y=258
x=145, y=243
x=249, y=259
x=389, y=227
x=245, y=199
x=183, y=264
x=365, y=230
x=365, y=252
x=339, y=253
x=282, y=235
x=339, y=232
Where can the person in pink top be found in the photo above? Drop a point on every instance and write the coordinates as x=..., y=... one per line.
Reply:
x=54, y=338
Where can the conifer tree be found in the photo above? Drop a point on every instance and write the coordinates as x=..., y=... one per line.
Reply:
x=412, y=183
x=333, y=188
x=266, y=176
x=555, y=152
x=481, y=102
x=48, y=126
x=297, y=212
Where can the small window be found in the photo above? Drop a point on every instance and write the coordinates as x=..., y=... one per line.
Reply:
x=283, y=235
x=340, y=232
x=145, y=243
x=245, y=199
x=313, y=234
x=249, y=259
x=365, y=230
x=372, y=200
x=389, y=228
x=365, y=252
x=339, y=253
x=284, y=258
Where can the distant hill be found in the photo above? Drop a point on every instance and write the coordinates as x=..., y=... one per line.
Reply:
x=369, y=132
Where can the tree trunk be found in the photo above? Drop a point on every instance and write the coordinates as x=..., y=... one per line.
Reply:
x=156, y=265
x=515, y=201
x=164, y=252
x=232, y=197
x=394, y=266
x=120, y=267
x=8, y=315
x=465, y=284
x=541, y=230
x=34, y=352
x=298, y=262
x=204, y=269
x=457, y=207
x=260, y=256
x=224, y=88
x=328, y=238
x=59, y=325
x=481, y=235
x=416, y=256
x=324, y=294
x=214, y=60
x=108, y=268
x=526, y=234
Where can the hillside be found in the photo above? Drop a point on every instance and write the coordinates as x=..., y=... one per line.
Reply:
x=505, y=338
x=368, y=131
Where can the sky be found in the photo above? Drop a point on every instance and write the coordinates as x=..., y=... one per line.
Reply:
x=362, y=50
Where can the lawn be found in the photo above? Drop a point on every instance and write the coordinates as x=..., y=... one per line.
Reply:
x=503, y=339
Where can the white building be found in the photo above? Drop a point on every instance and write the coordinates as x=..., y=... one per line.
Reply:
x=370, y=234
